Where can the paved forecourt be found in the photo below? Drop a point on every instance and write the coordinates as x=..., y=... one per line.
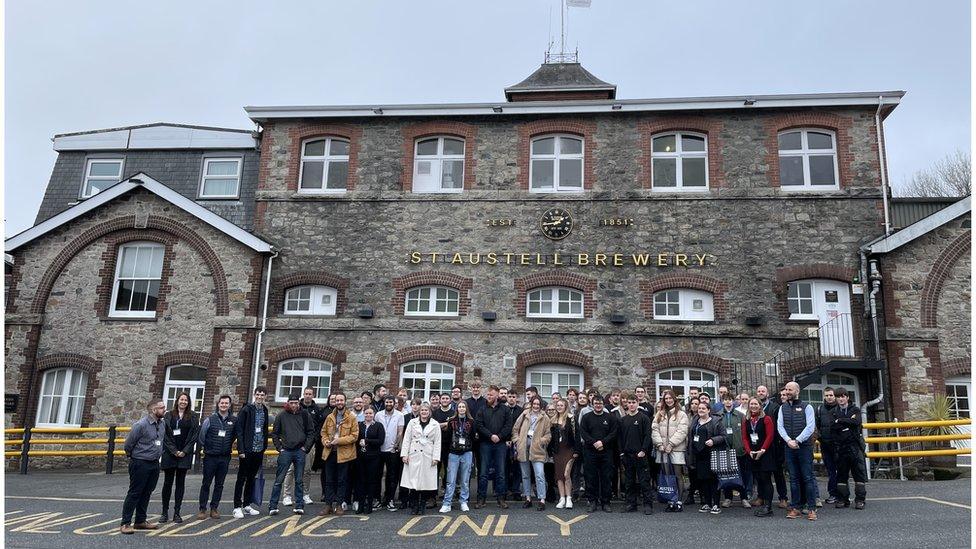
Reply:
x=82, y=510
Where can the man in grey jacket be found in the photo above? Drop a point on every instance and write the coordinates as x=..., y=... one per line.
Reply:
x=293, y=437
x=144, y=446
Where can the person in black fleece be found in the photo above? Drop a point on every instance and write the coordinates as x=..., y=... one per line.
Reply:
x=634, y=441
x=598, y=429
x=293, y=437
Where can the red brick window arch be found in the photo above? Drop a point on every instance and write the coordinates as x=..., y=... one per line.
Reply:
x=684, y=296
x=294, y=367
x=572, y=145
x=439, y=157
x=305, y=164
x=559, y=290
x=309, y=293
x=432, y=293
x=668, y=142
x=825, y=123
x=681, y=371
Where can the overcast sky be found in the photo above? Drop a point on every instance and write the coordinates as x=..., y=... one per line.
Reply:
x=76, y=65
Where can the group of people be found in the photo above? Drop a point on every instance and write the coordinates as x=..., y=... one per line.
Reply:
x=386, y=451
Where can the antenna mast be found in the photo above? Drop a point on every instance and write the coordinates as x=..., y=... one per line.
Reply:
x=562, y=56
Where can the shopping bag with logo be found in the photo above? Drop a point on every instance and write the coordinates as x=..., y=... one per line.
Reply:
x=667, y=483
x=726, y=469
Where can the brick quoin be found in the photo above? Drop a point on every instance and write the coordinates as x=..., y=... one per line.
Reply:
x=434, y=128
x=276, y=355
x=416, y=353
x=174, y=358
x=306, y=131
x=402, y=284
x=709, y=126
x=937, y=277
x=575, y=126
x=569, y=357
x=585, y=284
x=692, y=281
x=666, y=361
x=64, y=360
x=254, y=279
x=957, y=367
x=111, y=256
x=281, y=285
x=840, y=125
x=785, y=275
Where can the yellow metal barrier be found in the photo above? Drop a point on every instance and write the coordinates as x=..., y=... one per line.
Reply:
x=911, y=424
x=917, y=438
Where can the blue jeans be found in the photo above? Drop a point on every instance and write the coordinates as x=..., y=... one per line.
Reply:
x=458, y=464
x=800, y=464
x=286, y=459
x=493, y=458
x=540, y=479
x=828, y=453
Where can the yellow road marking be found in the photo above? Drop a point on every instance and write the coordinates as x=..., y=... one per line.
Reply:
x=481, y=530
x=46, y=498
x=564, y=525
x=441, y=524
x=500, y=529
x=42, y=528
x=244, y=527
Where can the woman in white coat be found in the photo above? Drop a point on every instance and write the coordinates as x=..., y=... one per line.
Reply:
x=420, y=452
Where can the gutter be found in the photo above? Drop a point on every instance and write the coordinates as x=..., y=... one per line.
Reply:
x=264, y=324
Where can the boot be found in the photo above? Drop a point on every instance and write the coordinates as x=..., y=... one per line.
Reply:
x=163, y=517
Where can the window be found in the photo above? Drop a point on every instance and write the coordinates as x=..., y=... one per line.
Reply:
x=295, y=375
x=100, y=174
x=310, y=300
x=800, y=299
x=556, y=164
x=438, y=165
x=807, y=160
x=551, y=378
x=679, y=162
x=813, y=393
x=423, y=378
x=432, y=301
x=185, y=378
x=683, y=304
x=682, y=380
x=137, y=275
x=555, y=303
x=221, y=177
x=957, y=389
x=325, y=166
x=62, y=398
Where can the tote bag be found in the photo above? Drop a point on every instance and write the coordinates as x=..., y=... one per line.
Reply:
x=667, y=483
x=726, y=469
x=258, y=494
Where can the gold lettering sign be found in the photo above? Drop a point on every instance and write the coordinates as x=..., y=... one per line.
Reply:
x=560, y=259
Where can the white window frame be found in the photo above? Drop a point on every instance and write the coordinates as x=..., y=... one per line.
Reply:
x=554, y=301
x=686, y=300
x=173, y=387
x=834, y=380
x=236, y=177
x=409, y=371
x=558, y=372
x=413, y=294
x=327, y=159
x=556, y=156
x=813, y=302
x=437, y=165
x=284, y=369
x=113, y=312
x=86, y=191
x=678, y=155
x=317, y=293
x=805, y=152
x=62, y=398
x=686, y=383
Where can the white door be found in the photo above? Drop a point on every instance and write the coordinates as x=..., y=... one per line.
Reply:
x=959, y=390
x=832, y=305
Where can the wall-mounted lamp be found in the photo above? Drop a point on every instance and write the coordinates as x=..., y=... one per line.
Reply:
x=496, y=109
x=377, y=111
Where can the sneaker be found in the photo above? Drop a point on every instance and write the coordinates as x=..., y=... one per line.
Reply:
x=679, y=508
x=391, y=507
x=177, y=518
x=163, y=518
x=726, y=503
x=841, y=504
x=859, y=505
x=343, y=506
x=812, y=515
x=819, y=503
x=715, y=510
x=445, y=509
x=704, y=509
x=831, y=500
x=561, y=504
x=298, y=511
x=569, y=502
x=287, y=502
x=272, y=512
x=793, y=514
x=252, y=511
x=306, y=500
x=746, y=504
x=542, y=505
x=238, y=513
x=377, y=505
x=355, y=506
x=126, y=529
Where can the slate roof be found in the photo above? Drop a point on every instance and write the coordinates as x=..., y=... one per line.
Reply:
x=552, y=77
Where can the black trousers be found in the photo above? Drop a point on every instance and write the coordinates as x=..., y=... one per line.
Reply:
x=214, y=471
x=368, y=481
x=246, y=471
x=353, y=479
x=336, y=479
x=850, y=463
x=616, y=483
x=764, y=480
x=708, y=488
x=598, y=469
x=392, y=463
x=637, y=478
x=143, y=475
x=169, y=475
x=779, y=454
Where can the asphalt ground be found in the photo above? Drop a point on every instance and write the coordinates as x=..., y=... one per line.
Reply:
x=82, y=511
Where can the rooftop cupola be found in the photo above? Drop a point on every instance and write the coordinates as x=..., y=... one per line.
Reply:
x=560, y=81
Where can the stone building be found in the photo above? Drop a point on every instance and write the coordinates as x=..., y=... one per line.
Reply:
x=560, y=238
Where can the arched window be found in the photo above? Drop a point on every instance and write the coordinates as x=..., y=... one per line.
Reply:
x=432, y=301
x=679, y=162
x=325, y=166
x=425, y=377
x=683, y=304
x=62, y=398
x=556, y=164
x=553, y=378
x=138, y=272
x=813, y=393
x=682, y=380
x=555, y=302
x=808, y=160
x=310, y=300
x=438, y=165
x=295, y=375
x=185, y=378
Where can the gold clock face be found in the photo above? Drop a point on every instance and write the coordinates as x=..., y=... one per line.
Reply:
x=556, y=223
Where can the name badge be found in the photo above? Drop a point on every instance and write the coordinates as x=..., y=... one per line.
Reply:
x=158, y=442
x=462, y=441
x=728, y=430
x=176, y=432
x=754, y=437
x=532, y=433
x=799, y=409
x=221, y=433
x=695, y=439
x=257, y=430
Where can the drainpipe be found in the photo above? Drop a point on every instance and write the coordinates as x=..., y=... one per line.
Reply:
x=264, y=324
x=875, y=288
x=882, y=165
